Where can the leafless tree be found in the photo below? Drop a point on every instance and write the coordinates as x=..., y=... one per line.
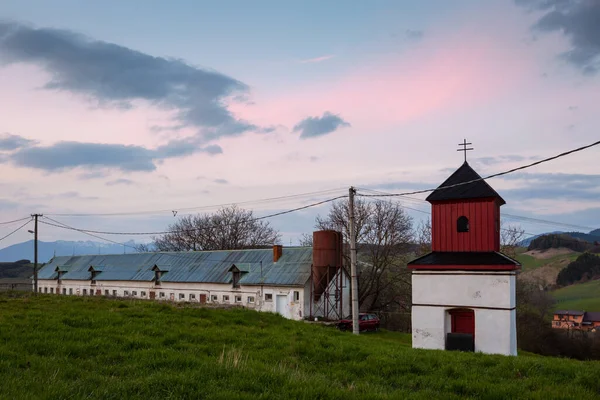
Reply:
x=383, y=236
x=531, y=297
x=510, y=236
x=227, y=229
x=144, y=247
x=423, y=238
x=306, y=240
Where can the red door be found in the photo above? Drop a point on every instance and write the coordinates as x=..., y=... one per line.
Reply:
x=463, y=321
x=203, y=299
x=152, y=295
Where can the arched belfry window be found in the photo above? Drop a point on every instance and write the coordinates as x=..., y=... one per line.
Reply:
x=462, y=224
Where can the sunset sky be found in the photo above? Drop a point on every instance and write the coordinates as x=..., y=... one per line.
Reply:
x=122, y=107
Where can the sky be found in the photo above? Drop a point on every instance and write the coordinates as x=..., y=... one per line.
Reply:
x=125, y=107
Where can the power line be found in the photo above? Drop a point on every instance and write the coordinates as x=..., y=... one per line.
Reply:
x=199, y=228
x=16, y=230
x=65, y=226
x=510, y=216
x=16, y=220
x=181, y=255
x=502, y=229
x=176, y=210
x=566, y=153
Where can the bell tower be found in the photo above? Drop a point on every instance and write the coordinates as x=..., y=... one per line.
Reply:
x=463, y=292
x=465, y=217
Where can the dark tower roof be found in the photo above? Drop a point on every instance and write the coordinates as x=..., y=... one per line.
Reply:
x=474, y=190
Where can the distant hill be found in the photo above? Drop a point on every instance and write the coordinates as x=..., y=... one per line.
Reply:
x=21, y=269
x=562, y=240
x=591, y=237
x=586, y=267
x=46, y=250
x=525, y=242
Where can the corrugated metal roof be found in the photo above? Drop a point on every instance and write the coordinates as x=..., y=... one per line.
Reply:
x=293, y=268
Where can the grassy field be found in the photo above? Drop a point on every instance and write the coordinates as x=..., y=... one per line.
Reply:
x=582, y=296
x=54, y=347
x=559, y=261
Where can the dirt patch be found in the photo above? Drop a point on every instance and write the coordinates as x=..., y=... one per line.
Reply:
x=545, y=275
x=549, y=253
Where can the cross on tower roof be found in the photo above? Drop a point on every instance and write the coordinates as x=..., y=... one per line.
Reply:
x=464, y=149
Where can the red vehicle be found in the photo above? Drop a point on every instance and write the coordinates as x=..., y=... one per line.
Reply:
x=366, y=322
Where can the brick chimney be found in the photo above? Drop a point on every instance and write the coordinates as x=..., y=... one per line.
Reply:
x=277, y=252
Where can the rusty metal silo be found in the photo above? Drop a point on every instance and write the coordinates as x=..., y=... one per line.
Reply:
x=327, y=259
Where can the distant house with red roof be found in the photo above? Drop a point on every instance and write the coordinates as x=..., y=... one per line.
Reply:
x=580, y=320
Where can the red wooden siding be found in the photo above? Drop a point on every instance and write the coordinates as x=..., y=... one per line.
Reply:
x=483, y=235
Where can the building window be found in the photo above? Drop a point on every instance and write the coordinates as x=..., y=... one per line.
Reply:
x=181, y=296
x=126, y=293
x=45, y=290
x=91, y=292
x=40, y=290
x=106, y=292
x=157, y=276
x=225, y=298
x=268, y=297
x=84, y=292
x=236, y=279
x=250, y=299
x=192, y=296
x=70, y=290
x=64, y=290
x=52, y=290
x=214, y=298
x=462, y=224
x=238, y=299
x=134, y=293
x=162, y=295
x=296, y=295
x=143, y=294
x=115, y=293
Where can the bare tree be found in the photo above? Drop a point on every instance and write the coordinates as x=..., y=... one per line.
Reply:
x=510, y=236
x=423, y=238
x=306, y=240
x=383, y=236
x=227, y=229
x=144, y=247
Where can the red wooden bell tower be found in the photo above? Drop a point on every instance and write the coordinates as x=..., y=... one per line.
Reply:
x=465, y=225
x=465, y=217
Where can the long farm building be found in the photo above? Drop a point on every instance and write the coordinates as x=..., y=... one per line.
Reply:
x=296, y=282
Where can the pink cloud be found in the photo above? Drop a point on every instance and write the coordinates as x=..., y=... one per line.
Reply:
x=382, y=93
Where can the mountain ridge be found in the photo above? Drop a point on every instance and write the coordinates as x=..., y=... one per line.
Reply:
x=46, y=250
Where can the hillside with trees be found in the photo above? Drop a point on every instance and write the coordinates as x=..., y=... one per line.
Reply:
x=554, y=241
x=21, y=269
x=585, y=268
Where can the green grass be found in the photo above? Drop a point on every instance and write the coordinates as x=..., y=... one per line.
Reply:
x=54, y=347
x=581, y=296
x=529, y=262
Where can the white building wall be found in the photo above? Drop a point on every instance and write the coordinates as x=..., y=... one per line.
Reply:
x=254, y=297
x=492, y=296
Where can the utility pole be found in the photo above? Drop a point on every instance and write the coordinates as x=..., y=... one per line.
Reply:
x=353, y=277
x=35, y=253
